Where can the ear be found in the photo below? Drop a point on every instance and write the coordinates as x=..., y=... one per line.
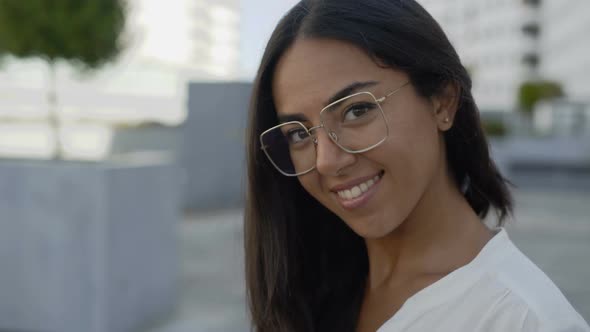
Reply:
x=445, y=105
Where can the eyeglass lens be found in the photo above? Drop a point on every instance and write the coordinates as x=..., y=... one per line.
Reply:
x=355, y=123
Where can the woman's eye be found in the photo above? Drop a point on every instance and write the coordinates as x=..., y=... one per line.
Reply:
x=357, y=111
x=296, y=135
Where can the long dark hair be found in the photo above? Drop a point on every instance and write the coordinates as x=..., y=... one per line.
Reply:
x=305, y=269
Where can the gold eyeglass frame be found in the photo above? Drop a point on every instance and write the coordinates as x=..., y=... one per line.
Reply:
x=331, y=134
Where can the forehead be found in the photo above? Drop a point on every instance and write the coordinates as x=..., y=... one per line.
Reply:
x=312, y=70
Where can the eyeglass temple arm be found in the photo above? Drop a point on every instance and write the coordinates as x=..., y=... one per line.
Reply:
x=380, y=100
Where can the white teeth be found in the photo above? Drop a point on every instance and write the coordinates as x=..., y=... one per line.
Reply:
x=364, y=187
x=347, y=194
x=358, y=190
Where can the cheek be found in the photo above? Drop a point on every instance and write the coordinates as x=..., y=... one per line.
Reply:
x=414, y=133
x=412, y=154
x=415, y=149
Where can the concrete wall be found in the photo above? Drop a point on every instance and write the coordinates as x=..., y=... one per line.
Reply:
x=87, y=247
x=212, y=148
x=152, y=137
x=549, y=162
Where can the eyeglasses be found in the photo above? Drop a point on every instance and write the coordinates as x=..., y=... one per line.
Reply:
x=355, y=123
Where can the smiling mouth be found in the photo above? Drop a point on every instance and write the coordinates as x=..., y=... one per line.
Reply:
x=359, y=189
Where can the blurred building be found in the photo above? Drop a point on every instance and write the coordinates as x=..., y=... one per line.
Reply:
x=200, y=35
x=506, y=42
x=565, y=45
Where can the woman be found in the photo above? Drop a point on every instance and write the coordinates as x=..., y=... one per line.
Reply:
x=369, y=177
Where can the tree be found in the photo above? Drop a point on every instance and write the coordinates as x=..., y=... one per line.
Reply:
x=533, y=91
x=86, y=34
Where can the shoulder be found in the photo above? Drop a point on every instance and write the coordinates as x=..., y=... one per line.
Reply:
x=500, y=290
x=526, y=298
x=513, y=313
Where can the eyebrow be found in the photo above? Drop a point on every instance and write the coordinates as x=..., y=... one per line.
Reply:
x=350, y=89
x=292, y=117
x=344, y=92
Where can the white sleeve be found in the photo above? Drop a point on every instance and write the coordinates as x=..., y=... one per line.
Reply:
x=513, y=314
x=519, y=319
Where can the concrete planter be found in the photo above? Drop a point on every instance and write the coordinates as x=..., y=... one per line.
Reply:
x=213, y=149
x=87, y=247
x=547, y=162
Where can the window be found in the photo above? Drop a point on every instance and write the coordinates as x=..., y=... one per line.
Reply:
x=531, y=29
x=534, y=3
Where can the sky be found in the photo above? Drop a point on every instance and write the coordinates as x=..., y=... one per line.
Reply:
x=259, y=17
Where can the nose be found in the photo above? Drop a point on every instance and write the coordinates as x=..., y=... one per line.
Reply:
x=330, y=158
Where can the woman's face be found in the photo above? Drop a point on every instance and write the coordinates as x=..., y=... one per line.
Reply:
x=391, y=178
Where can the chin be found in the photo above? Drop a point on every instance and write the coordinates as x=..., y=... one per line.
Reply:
x=373, y=227
x=371, y=234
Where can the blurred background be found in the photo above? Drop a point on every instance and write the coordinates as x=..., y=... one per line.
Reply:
x=122, y=152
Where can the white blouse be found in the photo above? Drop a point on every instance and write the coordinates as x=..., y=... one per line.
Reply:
x=500, y=290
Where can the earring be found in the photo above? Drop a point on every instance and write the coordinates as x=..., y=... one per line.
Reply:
x=446, y=120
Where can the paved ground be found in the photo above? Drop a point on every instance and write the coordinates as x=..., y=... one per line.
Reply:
x=212, y=295
x=552, y=228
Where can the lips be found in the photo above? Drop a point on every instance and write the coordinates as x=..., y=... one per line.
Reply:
x=356, y=188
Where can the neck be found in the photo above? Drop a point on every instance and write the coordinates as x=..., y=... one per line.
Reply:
x=442, y=234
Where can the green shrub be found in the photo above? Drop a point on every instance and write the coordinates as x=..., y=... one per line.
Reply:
x=494, y=128
x=84, y=33
x=532, y=92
